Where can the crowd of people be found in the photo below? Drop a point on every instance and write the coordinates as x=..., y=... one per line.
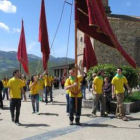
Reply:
x=39, y=87
x=103, y=90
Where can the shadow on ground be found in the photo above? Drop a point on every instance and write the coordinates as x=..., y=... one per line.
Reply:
x=105, y=125
x=133, y=119
x=6, y=108
x=34, y=125
x=49, y=114
x=90, y=116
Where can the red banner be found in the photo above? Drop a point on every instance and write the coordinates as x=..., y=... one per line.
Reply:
x=89, y=57
x=43, y=36
x=22, y=53
x=91, y=18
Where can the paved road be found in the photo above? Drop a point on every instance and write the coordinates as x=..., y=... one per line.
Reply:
x=53, y=123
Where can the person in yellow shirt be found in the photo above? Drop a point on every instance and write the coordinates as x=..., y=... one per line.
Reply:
x=48, y=86
x=73, y=89
x=118, y=83
x=15, y=90
x=41, y=87
x=34, y=92
x=23, y=78
x=98, y=94
x=5, y=89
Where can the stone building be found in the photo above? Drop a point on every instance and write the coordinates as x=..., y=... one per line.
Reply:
x=127, y=30
x=58, y=70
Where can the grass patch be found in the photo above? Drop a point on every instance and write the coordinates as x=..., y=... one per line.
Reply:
x=135, y=96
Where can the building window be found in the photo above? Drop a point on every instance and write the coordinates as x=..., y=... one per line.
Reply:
x=81, y=40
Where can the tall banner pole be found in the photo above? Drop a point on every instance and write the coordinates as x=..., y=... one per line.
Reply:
x=76, y=59
x=20, y=68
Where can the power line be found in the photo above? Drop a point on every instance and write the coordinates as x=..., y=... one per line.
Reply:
x=69, y=32
x=58, y=23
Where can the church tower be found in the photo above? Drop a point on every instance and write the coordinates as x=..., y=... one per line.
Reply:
x=106, y=6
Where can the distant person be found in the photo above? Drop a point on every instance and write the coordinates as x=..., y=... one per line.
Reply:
x=15, y=90
x=23, y=78
x=48, y=86
x=55, y=83
x=118, y=83
x=28, y=83
x=1, y=101
x=107, y=93
x=62, y=82
x=5, y=89
x=34, y=92
x=41, y=87
x=84, y=86
x=98, y=94
x=90, y=80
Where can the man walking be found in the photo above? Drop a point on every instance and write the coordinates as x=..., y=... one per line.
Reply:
x=73, y=88
x=118, y=83
x=15, y=90
x=98, y=94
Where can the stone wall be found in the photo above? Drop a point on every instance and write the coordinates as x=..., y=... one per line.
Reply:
x=128, y=35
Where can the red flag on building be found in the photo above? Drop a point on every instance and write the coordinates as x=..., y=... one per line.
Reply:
x=43, y=36
x=22, y=53
x=89, y=57
x=91, y=18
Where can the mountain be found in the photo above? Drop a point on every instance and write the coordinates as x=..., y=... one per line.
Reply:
x=8, y=63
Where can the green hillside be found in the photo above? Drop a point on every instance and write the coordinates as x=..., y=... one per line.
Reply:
x=8, y=63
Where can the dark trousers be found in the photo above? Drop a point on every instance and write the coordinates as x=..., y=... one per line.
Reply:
x=48, y=90
x=108, y=100
x=67, y=99
x=1, y=101
x=15, y=103
x=72, y=108
x=5, y=91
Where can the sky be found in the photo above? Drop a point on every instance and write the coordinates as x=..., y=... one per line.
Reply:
x=13, y=11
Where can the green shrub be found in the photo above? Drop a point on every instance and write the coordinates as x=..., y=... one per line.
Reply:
x=135, y=96
x=110, y=71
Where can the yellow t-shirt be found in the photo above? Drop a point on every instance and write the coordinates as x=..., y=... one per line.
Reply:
x=70, y=81
x=119, y=82
x=34, y=89
x=98, y=84
x=5, y=83
x=48, y=80
x=24, y=82
x=15, y=86
x=41, y=84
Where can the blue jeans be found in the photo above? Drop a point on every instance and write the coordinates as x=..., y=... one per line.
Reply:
x=35, y=99
x=5, y=91
x=48, y=89
x=67, y=98
x=83, y=89
x=72, y=108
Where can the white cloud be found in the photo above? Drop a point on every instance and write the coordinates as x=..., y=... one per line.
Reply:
x=4, y=26
x=7, y=7
x=16, y=30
